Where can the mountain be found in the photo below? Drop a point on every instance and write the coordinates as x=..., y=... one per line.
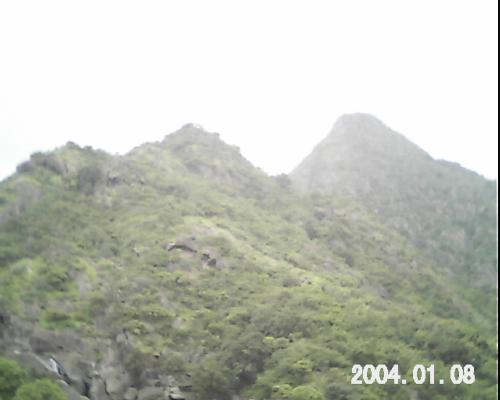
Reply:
x=447, y=211
x=179, y=270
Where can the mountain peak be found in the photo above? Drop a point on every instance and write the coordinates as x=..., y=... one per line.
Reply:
x=364, y=159
x=193, y=132
x=173, y=261
x=359, y=119
x=367, y=132
x=364, y=137
x=201, y=153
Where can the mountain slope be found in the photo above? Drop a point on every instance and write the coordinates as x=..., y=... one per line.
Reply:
x=181, y=268
x=444, y=209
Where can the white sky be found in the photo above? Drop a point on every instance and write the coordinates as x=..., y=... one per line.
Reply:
x=270, y=76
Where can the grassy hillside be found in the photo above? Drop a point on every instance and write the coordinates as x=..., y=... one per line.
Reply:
x=180, y=268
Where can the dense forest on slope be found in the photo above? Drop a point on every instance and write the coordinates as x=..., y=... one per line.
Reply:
x=448, y=212
x=181, y=270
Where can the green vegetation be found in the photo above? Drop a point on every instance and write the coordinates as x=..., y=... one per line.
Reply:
x=16, y=384
x=12, y=376
x=299, y=288
x=449, y=213
x=41, y=389
x=305, y=393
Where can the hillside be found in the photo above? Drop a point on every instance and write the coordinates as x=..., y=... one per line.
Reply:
x=181, y=270
x=448, y=212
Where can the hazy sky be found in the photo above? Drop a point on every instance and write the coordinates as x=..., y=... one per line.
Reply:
x=270, y=76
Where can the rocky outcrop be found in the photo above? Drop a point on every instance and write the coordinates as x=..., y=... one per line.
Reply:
x=84, y=369
x=190, y=246
x=151, y=393
x=182, y=245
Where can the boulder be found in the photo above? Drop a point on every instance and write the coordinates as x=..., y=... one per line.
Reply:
x=212, y=262
x=176, y=394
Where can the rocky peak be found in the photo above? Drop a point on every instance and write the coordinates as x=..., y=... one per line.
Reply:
x=358, y=123
x=362, y=134
x=200, y=153
x=359, y=147
x=193, y=139
x=193, y=132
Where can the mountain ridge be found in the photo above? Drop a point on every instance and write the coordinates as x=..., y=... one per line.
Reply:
x=266, y=292
x=436, y=204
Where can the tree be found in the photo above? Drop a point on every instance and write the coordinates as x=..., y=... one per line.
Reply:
x=41, y=389
x=305, y=393
x=89, y=177
x=210, y=381
x=11, y=377
x=284, y=181
x=245, y=356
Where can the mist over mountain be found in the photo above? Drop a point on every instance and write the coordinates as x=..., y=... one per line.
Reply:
x=181, y=271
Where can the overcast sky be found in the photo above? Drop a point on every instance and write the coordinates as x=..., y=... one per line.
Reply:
x=270, y=76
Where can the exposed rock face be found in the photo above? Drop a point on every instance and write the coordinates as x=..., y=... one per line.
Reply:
x=85, y=369
x=189, y=246
x=116, y=378
x=70, y=360
x=183, y=245
x=98, y=390
x=446, y=210
x=151, y=393
x=131, y=394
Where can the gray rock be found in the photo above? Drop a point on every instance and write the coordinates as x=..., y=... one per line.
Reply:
x=131, y=394
x=151, y=393
x=176, y=395
x=116, y=379
x=98, y=390
x=71, y=393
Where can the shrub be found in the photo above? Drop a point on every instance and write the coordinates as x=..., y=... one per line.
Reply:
x=283, y=180
x=246, y=356
x=281, y=391
x=54, y=278
x=54, y=165
x=88, y=178
x=210, y=380
x=25, y=167
x=138, y=364
x=11, y=377
x=58, y=319
x=49, y=162
x=305, y=393
x=41, y=389
x=28, y=192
